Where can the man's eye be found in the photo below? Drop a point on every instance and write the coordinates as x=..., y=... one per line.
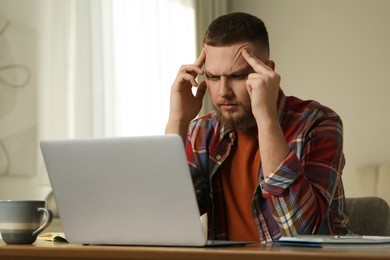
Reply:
x=239, y=77
x=212, y=77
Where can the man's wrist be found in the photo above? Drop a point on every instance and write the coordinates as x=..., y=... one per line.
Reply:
x=177, y=127
x=266, y=120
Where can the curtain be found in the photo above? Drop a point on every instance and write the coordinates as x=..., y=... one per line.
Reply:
x=151, y=39
x=108, y=65
x=66, y=64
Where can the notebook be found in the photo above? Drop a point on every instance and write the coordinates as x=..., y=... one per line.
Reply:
x=125, y=191
x=333, y=240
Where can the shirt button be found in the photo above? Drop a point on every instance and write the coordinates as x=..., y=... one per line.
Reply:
x=218, y=157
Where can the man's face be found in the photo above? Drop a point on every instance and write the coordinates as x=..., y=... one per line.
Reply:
x=226, y=74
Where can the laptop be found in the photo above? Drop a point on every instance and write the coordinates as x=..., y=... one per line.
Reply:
x=125, y=191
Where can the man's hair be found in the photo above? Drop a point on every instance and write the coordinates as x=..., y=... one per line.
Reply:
x=235, y=28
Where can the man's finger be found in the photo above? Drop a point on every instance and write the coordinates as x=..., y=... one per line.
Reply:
x=190, y=78
x=201, y=90
x=255, y=63
x=192, y=69
x=200, y=60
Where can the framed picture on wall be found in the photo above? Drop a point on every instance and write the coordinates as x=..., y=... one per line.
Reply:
x=18, y=99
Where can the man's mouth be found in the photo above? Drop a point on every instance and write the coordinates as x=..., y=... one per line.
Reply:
x=228, y=105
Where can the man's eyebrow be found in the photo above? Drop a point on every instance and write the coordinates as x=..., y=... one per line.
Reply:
x=241, y=71
x=207, y=72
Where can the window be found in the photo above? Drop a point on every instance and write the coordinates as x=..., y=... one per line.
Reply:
x=150, y=40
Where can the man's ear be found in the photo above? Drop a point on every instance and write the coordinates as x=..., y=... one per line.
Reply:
x=271, y=64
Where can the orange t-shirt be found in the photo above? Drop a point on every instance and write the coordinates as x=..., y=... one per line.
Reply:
x=239, y=182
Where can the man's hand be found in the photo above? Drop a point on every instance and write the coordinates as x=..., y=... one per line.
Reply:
x=263, y=88
x=184, y=105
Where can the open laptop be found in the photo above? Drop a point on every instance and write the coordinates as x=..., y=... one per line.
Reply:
x=125, y=191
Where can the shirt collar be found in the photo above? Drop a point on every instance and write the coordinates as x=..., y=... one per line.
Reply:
x=224, y=131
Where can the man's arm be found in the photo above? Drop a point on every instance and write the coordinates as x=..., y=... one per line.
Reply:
x=300, y=191
x=184, y=105
x=263, y=88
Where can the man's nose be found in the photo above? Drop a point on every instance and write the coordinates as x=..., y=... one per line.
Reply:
x=225, y=89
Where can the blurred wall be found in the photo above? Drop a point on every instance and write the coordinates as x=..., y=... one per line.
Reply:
x=335, y=52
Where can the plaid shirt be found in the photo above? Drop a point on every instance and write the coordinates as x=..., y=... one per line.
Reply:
x=303, y=195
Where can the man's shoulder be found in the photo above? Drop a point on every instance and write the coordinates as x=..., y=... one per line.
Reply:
x=312, y=108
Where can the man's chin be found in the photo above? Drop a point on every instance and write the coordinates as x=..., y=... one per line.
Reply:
x=239, y=123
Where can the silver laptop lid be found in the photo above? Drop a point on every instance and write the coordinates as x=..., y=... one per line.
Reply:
x=124, y=191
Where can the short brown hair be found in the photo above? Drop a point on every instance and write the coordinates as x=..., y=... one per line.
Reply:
x=235, y=28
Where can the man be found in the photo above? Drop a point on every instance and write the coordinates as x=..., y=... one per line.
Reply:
x=263, y=164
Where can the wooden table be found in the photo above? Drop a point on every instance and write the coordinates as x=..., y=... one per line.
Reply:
x=50, y=250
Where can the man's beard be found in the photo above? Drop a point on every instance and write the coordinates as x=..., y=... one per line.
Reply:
x=241, y=123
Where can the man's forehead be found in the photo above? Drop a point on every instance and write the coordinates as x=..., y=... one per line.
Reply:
x=225, y=60
x=229, y=52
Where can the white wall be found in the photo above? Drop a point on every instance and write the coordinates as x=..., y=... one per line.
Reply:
x=338, y=53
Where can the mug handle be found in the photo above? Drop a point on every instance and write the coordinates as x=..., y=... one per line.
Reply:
x=47, y=222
